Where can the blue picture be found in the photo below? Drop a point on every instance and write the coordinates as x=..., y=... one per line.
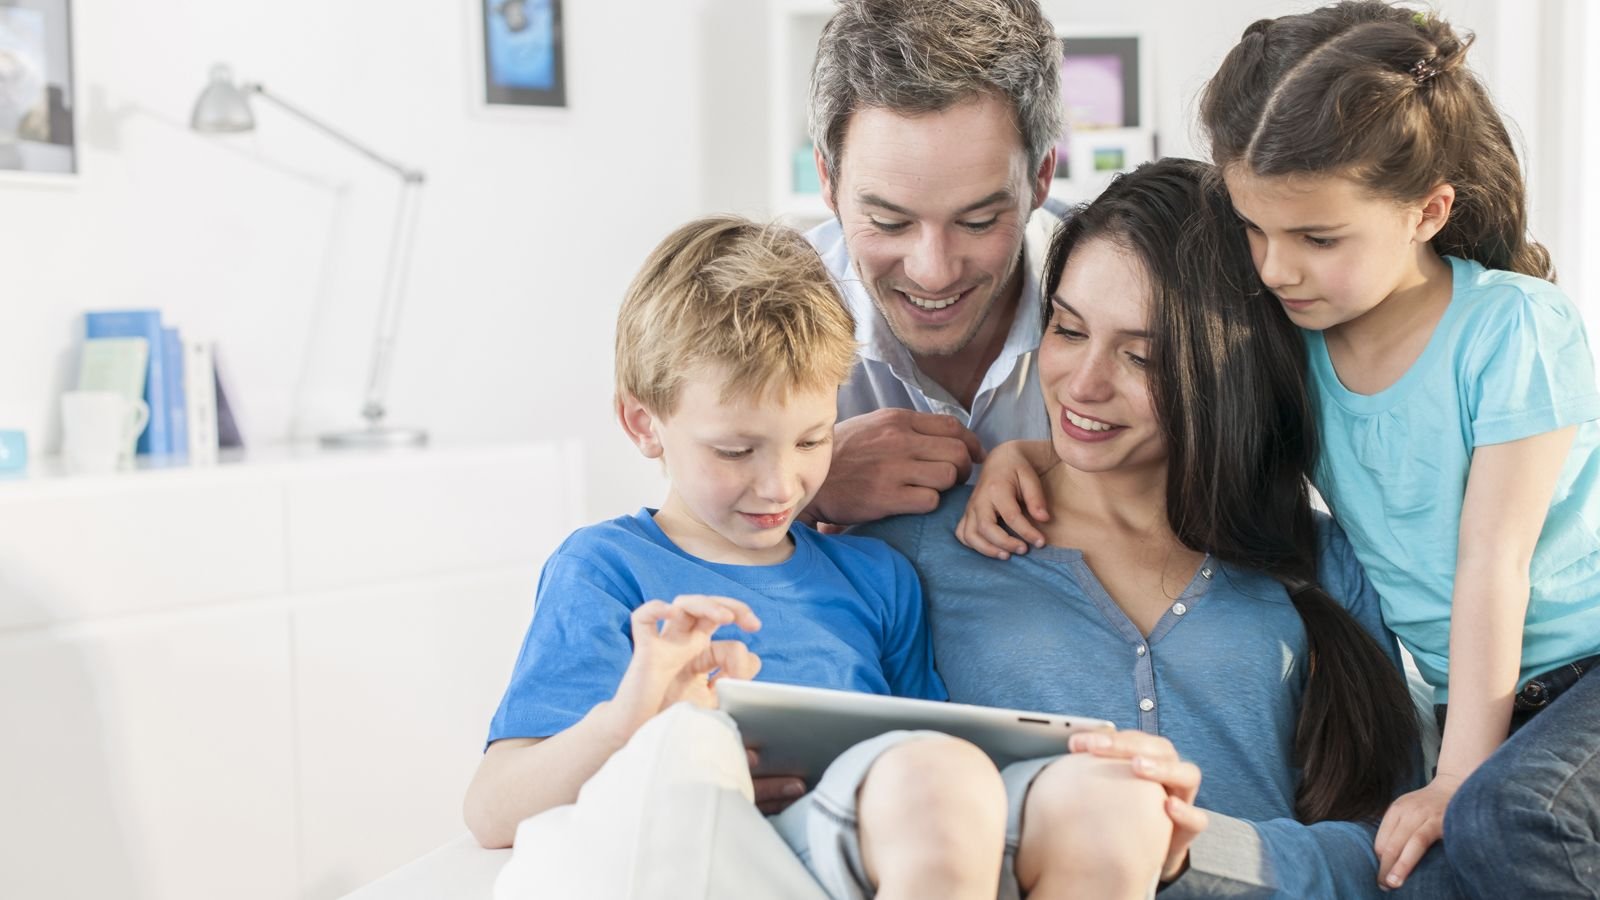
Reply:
x=523, y=58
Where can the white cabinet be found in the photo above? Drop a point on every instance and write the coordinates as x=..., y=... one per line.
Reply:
x=269, y=679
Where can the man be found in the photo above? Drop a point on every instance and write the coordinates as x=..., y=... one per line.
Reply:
x=935, y=161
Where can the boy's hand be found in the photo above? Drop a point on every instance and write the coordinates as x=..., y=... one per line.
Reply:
x=1155, y=759
x=893, y=461
x=674, y=658
x=1414, y=821
x=1010, y=479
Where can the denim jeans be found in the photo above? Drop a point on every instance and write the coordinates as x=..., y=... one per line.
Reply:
x=1527, y=822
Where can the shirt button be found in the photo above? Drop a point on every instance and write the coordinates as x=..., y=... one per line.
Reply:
x=1179, y=609
x=1147, y=704
x=1206, y=572
x=1139, y=650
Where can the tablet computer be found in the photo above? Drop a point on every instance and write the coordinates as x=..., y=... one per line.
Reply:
x=800, y=730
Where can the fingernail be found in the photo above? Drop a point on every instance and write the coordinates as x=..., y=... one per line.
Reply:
x=1004, y=555
x=1143, y=765
x=793, y=790
x=1081, y=742
x=1394, y=880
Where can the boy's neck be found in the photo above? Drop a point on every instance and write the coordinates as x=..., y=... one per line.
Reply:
x=703, y=543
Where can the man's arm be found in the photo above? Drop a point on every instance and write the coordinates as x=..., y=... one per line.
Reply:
x=893, y=461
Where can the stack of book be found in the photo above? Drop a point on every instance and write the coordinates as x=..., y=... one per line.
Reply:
x=131, y=352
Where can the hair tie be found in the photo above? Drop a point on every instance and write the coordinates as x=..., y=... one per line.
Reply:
x=1424, y=69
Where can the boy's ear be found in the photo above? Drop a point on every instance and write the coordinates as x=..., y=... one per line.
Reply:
x=1436, y=207
x=639, y=423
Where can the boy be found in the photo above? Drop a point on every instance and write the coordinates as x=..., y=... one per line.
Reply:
x=731, y=347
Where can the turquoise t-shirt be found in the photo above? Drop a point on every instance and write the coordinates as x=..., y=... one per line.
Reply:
x=1509, y=360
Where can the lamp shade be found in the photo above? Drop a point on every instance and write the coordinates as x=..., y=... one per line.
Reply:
x=223, y=106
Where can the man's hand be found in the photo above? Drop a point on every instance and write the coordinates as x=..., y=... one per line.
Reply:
x=1414, y=821
x=675, y=659
x=893, y=461
x=1155, y=759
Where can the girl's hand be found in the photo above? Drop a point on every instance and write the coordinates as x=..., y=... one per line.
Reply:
x=1010, y=478
x=1414, y=821
x=674, y=658
x=1155, y=759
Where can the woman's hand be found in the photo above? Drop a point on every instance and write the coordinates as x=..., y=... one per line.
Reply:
x=1010, y=479
x=1153, y=758
x=1414, y=821
x=675, y=659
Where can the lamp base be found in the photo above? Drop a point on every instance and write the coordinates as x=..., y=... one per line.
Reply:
x=382, y=437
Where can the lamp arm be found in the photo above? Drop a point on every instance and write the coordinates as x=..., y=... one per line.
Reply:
x=389, y=307
x=406, y=173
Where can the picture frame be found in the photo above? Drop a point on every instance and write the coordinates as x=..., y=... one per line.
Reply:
x=1107, y=94
x=38, y=93
x=522, y=50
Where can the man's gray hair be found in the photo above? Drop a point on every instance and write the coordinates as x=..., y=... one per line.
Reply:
x=919, y=56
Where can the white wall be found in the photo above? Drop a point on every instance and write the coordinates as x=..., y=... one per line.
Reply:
x=532, y=222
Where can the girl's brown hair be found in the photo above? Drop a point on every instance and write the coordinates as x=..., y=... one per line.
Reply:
x=1380, y=94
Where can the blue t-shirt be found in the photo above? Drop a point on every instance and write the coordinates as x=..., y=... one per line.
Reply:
x=1509, y=360
x=843, y=612
x=1222, y=675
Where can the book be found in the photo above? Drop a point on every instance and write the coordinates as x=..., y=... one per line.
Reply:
x=155, y=440
x=200, y=401
x=227, y=426
x=114, y=364
x=177, y=413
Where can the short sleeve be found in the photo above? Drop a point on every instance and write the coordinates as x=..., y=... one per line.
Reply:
x=1529, y=368
x=576, y=651
x=908, y=646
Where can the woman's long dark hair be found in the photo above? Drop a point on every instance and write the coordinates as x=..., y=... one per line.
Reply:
x=1227, y=382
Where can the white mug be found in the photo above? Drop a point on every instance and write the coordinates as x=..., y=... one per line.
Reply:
x=99, y=429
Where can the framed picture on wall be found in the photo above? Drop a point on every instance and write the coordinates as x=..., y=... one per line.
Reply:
x=524, y=59
x=1106, y=92
x=38, y=136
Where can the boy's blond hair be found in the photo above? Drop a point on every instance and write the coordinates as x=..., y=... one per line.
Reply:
x=723, y=291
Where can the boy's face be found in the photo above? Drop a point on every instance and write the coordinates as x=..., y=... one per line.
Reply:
x=740, y=471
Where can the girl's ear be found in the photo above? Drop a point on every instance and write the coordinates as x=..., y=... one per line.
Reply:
x=640, y=424
x=1436, y=207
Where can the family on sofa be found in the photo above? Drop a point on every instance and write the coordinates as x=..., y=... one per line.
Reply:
x=1072, y=460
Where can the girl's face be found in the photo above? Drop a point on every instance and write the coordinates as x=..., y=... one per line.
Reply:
x=1092, y=362
x=1329, y=250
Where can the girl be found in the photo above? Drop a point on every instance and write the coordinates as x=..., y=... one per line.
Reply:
x=1456, y=403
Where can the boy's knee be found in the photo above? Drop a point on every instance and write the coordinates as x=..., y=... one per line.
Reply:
x=1082, y=809
x=937, y=779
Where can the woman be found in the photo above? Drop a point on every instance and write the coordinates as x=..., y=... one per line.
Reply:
x=1184, y=588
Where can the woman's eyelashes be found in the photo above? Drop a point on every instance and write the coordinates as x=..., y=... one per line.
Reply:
x=1137, y=359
